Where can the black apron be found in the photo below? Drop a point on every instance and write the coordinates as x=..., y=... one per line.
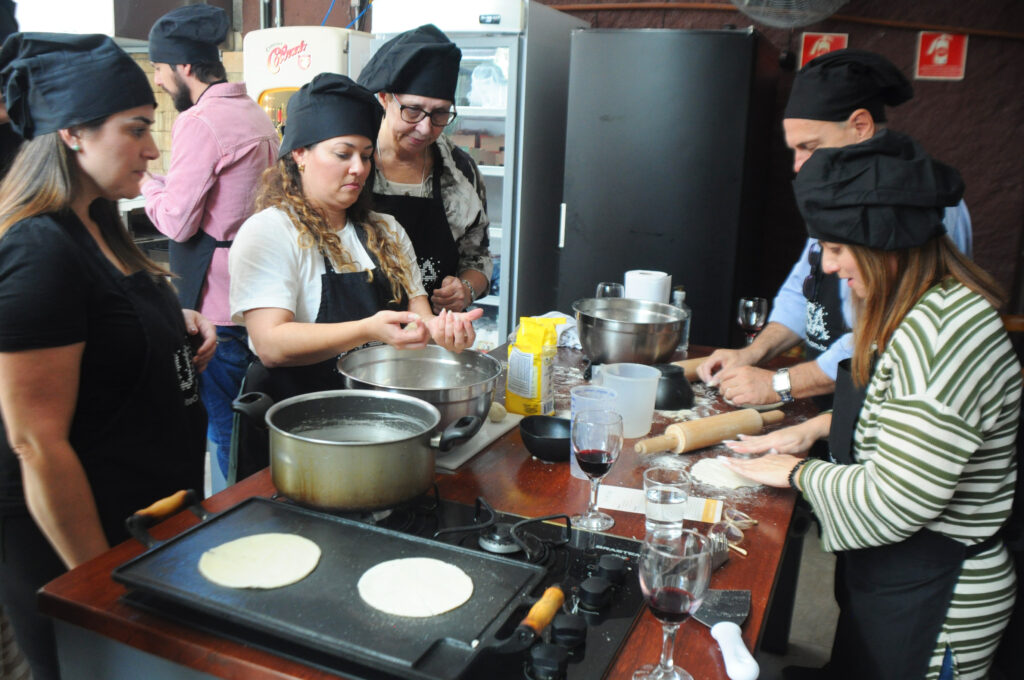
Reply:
x=191, y=262
x=893, y=598
x=426, y=222
x=824, y=324
x=344, y=296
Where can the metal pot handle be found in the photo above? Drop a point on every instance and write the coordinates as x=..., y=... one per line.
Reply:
x=461, y=430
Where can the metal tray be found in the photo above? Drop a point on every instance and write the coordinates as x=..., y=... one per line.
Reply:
x=324, y=611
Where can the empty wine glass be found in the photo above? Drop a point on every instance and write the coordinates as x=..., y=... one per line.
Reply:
x=751, y=315
x=596, y=441
x=609, y=289
x=674, y=574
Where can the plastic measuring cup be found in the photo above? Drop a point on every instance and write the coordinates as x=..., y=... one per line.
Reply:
x=636, y=387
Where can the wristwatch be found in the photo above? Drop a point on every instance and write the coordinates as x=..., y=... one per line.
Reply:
x=472, y=292
x=782, y=385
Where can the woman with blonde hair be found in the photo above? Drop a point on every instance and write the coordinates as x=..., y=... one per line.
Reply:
x=315, y=272
x=98, y=385
x=921, y=438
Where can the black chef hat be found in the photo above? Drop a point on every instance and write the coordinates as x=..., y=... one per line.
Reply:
x=52, y=81
x=834, y=85
x=8, y=23
x=188, y=35
x=884, y=193
x=329, y=106
x=422, y=61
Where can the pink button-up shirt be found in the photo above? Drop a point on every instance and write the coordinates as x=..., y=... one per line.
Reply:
x=219, y=149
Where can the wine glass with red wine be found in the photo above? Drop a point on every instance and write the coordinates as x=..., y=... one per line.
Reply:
x=596, y=442
x=674, y=574
x=751, y=313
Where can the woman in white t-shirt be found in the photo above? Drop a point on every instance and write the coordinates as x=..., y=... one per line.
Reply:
x=315, y=273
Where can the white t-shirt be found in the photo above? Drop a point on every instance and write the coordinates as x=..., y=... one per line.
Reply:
x=269, y=268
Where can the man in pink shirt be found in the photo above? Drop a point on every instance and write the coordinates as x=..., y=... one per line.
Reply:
x=220, y=144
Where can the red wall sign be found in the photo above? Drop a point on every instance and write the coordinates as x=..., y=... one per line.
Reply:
x=816, y=44
x=941, y=56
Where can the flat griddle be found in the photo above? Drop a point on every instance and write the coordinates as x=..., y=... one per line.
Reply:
x=324, y=611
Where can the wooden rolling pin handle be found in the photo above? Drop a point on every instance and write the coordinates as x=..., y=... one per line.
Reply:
x=772, y=417
x=666, y=442
x=689, y=367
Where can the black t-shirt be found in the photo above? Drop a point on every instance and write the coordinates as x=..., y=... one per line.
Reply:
x=136, y=443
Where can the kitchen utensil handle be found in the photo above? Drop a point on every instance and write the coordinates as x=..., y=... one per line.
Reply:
x=739, y=664
x=541, y=613
x=772, y=417
x=138, y=523
x=689, y=367
x=665, y=442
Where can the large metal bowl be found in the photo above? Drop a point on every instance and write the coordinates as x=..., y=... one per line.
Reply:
x=457, y=385
x=622, y=330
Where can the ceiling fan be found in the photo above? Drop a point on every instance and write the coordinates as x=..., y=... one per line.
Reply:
x=788, y=13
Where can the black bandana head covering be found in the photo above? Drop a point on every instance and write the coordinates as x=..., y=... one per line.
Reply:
x=188, y=35
x=53, y=81
x=422, y=61
x=885, y=193
x=329, y=106
x=834, y=85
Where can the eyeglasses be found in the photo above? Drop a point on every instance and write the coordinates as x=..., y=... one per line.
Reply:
x=414, y=114
x=730, y=529
x=811, y=281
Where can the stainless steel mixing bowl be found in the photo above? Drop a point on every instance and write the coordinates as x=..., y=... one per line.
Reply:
x=622, y=330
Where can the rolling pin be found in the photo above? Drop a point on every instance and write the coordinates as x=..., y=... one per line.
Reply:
x=689, y=367
x=696, y=434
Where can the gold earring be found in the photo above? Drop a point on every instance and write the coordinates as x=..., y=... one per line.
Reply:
x=302, y=167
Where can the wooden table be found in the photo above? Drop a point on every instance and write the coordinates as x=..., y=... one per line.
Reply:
x=512, y=481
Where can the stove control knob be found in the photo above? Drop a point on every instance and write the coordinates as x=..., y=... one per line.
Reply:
x=548, y=662
x=612, y=568
x=595, y=592
x=569, y=630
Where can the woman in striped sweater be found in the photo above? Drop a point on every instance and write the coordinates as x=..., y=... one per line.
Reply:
x=922, y=434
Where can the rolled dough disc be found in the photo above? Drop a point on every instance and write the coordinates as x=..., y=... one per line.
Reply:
x=271, y=560
x=415, y=587
x=710, y=471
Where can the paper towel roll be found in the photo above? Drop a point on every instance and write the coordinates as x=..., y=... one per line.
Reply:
x=642, y=284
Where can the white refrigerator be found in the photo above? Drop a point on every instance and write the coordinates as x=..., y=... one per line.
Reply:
x=511, y=100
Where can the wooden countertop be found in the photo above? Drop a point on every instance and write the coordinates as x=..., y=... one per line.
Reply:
x=512, y=481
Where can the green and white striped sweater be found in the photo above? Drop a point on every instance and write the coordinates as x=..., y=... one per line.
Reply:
x=935, y=445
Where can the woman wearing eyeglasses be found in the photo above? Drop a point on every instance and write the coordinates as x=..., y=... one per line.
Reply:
x=431, y=187
x=921, y=437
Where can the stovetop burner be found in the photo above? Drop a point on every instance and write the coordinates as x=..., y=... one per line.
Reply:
x=596, y=572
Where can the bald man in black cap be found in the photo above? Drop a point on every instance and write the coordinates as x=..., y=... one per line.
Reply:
x=221, y=144
x=837, y=99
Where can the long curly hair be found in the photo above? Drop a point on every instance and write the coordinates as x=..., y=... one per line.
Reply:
x=281, y=187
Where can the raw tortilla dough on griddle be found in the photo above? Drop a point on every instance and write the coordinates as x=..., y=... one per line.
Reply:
x=271, y=560
x=710, y=471
x=415, y=586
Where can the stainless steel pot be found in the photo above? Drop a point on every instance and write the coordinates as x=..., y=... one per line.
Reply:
x=617, y=330
x=353, y=449
x=459, y=385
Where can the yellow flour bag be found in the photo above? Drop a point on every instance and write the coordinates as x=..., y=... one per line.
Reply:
x=528, y=385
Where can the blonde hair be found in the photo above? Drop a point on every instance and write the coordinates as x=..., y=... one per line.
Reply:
x=44, y=178
x=281, y=187
x=895, y=281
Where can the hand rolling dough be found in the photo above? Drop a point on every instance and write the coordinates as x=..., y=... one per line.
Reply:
x=710, y=471
x=271, y=560
x=415, y=587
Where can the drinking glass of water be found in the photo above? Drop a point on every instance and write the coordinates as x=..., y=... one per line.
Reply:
x=666, y=490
